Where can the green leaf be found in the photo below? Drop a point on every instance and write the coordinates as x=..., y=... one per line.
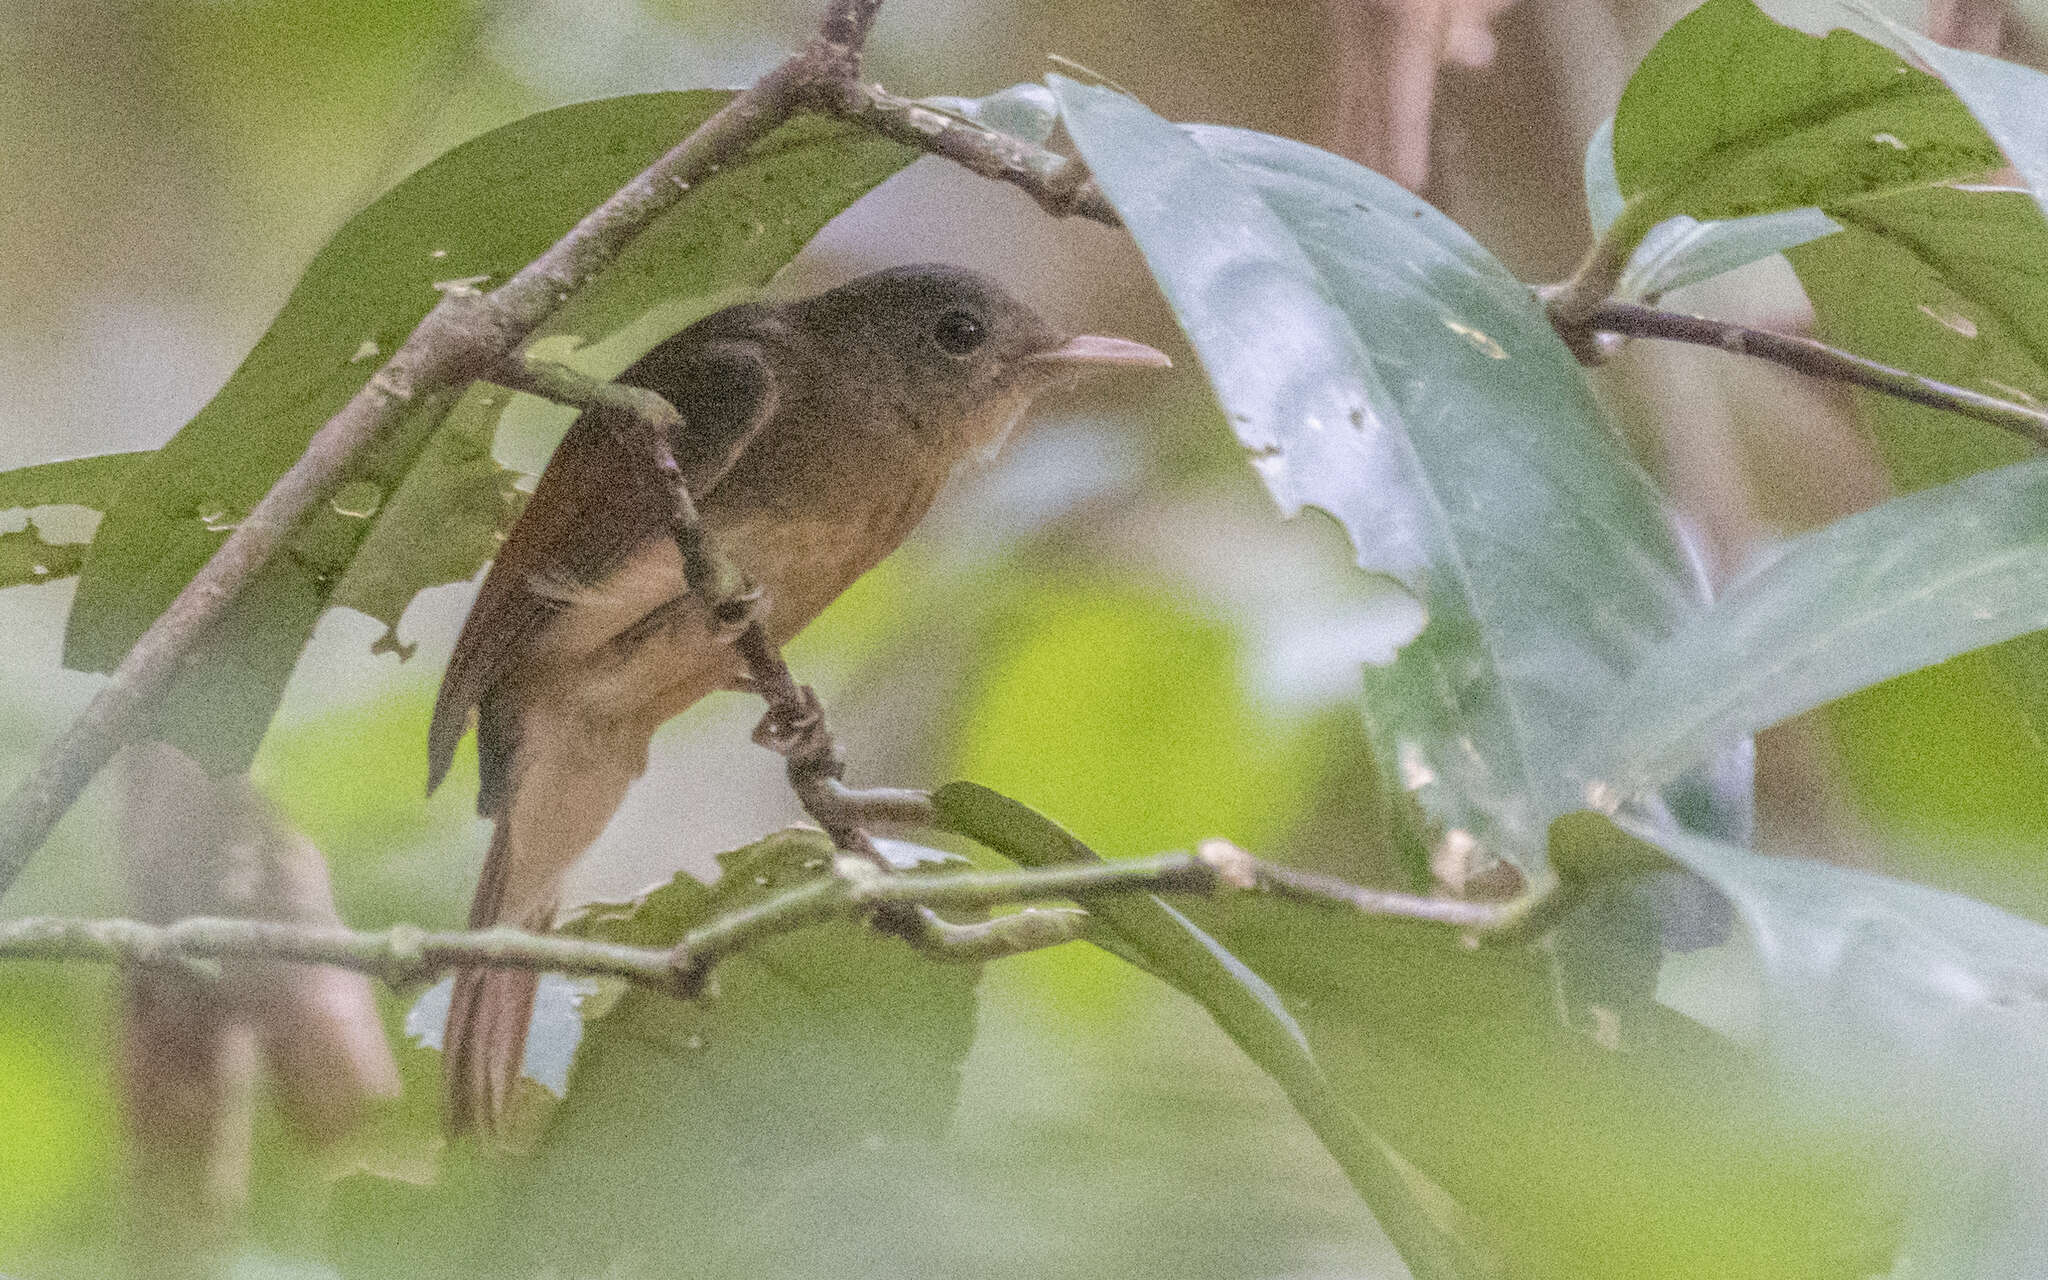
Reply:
x=1915, y=1015
x=1948, y=282
x=477, y=214
x=1383, y=367
x=1605, y=1139
x=1908, y=583
x=74, y=482
x=27, y=555
x=1498, y=1139
x=1126, y=715
x=2009, y=100
x=1731, y=114
x=693, y=1130
x=1680, y=251
x=1164, y=941
x=448, y=516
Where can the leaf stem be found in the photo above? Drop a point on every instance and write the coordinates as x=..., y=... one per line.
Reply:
x=1598, y=272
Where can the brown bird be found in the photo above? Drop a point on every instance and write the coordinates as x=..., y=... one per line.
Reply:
x=815, y=435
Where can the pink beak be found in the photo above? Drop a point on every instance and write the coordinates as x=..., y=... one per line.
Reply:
x=1092, y=349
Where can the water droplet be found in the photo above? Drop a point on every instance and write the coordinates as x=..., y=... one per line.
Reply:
x=693, y=1042
x=217, y=519
x=369, y=350
x=1415, y=771
x=1491, y=349
x=439, y=253
x=761, y=881
x=358, y=500
x=1951, y=320
x=1891, y=140
x=39, y=570
x=465, y=284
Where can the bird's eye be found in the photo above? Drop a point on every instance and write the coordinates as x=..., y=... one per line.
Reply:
x=958, y=333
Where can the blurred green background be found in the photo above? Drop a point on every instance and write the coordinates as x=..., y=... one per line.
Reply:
x=1106, y=620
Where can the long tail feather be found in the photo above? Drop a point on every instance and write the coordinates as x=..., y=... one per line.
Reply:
x=484, y=1044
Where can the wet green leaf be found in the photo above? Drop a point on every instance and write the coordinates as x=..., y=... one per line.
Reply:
x=1381, y=366
x=27, y=554
x=447, y=517
x=475, y=215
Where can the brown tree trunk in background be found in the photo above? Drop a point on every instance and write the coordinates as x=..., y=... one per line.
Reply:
x=195, y=846
x=1978, y=25
x=1387, y=55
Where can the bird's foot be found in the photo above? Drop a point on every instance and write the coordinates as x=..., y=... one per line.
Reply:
x=799, y=735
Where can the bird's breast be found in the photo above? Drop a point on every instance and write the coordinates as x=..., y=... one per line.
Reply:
x=635, y=646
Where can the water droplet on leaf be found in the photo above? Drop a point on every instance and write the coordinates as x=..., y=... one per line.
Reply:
x=358, y=500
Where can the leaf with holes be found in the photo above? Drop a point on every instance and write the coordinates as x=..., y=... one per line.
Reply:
x=1383, y=367
x=28, y=554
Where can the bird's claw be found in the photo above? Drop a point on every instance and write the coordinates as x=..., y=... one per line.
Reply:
x=800, y=737
x=736, y=612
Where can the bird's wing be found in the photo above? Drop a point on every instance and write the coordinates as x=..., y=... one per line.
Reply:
x=595, y=504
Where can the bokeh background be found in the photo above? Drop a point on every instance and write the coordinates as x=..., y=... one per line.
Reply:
x=1107, y=619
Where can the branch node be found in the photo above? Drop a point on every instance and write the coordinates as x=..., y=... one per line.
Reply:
x=1232, y=865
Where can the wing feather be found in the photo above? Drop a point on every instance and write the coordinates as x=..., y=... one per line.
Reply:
x=595, y=504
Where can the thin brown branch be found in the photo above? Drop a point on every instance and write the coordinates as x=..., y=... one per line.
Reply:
x=1817, y=360
x=404, y=955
